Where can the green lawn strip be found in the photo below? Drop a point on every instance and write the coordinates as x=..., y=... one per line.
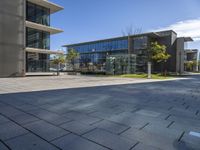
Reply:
x=144, y=76
x=140, y=76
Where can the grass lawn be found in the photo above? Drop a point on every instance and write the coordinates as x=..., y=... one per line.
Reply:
x=154, y=76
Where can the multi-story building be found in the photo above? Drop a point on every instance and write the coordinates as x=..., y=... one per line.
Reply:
x=96, y=52
x=192, y=56
x=25, y=36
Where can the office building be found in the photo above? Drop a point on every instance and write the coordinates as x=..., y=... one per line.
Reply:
x=192, y=58
x=25, y=36
x=96, y=52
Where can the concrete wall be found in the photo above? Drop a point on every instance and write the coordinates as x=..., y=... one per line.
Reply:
x=12, y=32
x=180, y=55
x=169, y=40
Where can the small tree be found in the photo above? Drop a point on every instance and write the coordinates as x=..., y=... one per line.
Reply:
x=71, y=56
x=191, y=65
x=158, y=53
x=57, y=60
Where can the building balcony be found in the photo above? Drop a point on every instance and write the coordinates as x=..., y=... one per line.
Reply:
x=42, y=51
x=41, y=27
x=53, y=7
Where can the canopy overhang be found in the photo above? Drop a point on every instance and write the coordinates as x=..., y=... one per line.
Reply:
x=43, y=51
x=53, y=7
x=37, y=26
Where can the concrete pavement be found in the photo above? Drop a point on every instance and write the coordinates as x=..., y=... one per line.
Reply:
x=126, y=116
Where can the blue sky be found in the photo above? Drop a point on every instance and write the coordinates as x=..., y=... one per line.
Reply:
x=86, y=20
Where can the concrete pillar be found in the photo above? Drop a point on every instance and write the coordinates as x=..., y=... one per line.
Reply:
x=12, y=38
x=180, y=55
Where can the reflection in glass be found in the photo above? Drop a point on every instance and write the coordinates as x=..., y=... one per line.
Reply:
x=37, y=14
x=37, y=39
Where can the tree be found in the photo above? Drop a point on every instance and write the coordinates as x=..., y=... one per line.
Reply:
x=57, y=60
x=72, y=55
x=158, y=53
x=191, y=65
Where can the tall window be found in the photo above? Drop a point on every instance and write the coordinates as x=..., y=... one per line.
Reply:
x=113, y=45
x=37, y=14
x=37, y=39
x=140, y=42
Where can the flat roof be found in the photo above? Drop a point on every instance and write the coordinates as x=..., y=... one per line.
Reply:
x=188, y=39
x=191, y=50
x=52, y=6
x=37, y=26
x=151, y=34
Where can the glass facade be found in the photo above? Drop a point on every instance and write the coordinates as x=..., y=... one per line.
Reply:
x=37, y=39
x=94, y=54
x=121, y=64
x=103, y=46
x=191, y=56
x=140, y=45
x=140, y=42
x=37, y=14
x=36, y=62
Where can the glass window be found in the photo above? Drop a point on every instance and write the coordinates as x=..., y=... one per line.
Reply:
x=37, y=14
x=37, y=39
x=103, y=46
x=140, y=42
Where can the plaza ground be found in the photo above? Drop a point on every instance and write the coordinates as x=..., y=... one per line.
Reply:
x=42, y=83
x=99, y=113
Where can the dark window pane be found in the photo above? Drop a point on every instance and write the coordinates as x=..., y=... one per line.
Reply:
x=38, y=14
x=140, y=42
x=37, y=39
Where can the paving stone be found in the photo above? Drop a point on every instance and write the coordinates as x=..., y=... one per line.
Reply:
x=27, y=107
x=59, y=120
x=24, y=119
x=163, y=131
x=50, y=116
x=3, y=120
x=102, y=115
x=74, y=142
x=185, y=127
x=147, y=113
x=81, y=117
x=111, y=126
x=163, y=142
x=10, y=111
x=185, y=120
x=3, y=105
x=140, y=106
x=129, y=119
x=46, y=130
x=184, y=113
x=11, y=130
x=142, y=146
x=29, y=142
x=59, y=108
x=3, y=147
x=77, y=127
x=110, y=140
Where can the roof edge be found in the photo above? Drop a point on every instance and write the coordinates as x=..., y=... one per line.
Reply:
x=115, y=38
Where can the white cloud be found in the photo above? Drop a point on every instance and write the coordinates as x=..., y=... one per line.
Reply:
x=185, y=28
